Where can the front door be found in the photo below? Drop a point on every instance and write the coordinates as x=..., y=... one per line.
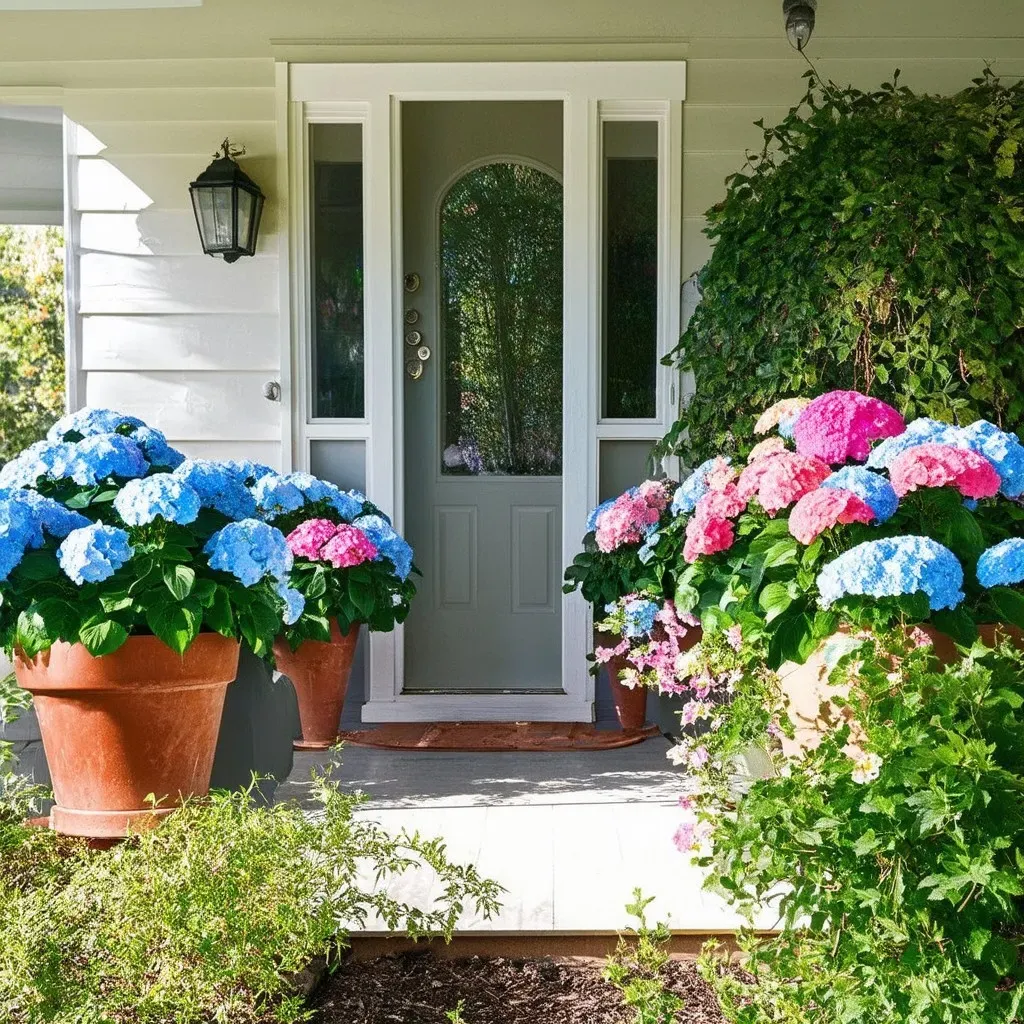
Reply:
x=483, y=227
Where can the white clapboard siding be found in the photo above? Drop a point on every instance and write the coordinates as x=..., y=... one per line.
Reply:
x=176, y=284
x=206, y=406
x=156, y=233
x=231, y=72
x=186, y=342
x=201, y=137
x=116, y=182
x=196, y=103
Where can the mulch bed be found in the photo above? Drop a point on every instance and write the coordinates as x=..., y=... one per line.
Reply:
x=419, y=988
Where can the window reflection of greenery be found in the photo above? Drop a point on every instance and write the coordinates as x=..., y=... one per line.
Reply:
x=501, y=271
x=338, y=239
x=631, y=288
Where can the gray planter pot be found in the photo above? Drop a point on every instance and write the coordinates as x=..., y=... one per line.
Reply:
x=261, y=718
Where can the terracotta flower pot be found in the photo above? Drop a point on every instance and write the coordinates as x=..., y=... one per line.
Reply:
x=811, y=697
x=120, y=727
x=319, y=672
x=631, y=702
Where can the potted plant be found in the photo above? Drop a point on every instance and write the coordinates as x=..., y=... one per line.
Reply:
x=627, y=572
x=125, y=588
x=843, y=522
x=351, y=568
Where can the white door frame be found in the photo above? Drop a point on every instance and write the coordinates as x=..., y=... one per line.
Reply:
x=372, y=94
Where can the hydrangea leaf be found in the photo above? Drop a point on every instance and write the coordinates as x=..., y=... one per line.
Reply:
x=103, y=636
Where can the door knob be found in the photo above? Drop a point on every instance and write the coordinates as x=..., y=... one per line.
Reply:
x=272, y=391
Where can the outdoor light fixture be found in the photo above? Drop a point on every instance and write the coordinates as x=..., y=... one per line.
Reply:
x=228, y=205
x=799, y=15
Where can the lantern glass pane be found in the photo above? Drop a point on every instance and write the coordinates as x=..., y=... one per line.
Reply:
x=246, y=204
x=338, y=390
x=215, y=213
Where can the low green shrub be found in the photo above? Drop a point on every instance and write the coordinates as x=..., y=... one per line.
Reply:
x=210, y=917
x=896, y=868
x=636, y=968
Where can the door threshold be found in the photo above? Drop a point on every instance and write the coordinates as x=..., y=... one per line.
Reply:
x=481, y=690
x=516, y=706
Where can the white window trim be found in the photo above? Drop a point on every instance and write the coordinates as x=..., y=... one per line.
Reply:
x=372, y=94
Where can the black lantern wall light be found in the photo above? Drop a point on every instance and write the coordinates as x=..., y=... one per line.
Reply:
x=228, y=205
x=799, y=15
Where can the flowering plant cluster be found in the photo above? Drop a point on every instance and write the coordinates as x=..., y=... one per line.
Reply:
x=106, y=531
x=349, y=570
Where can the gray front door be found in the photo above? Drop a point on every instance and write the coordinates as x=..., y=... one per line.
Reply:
x=482, y=217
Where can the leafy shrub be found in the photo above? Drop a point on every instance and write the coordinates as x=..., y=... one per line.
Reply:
x=208, y=918
x=897, y=877
x=874, y=243
x=636, y=968
x=31, y=334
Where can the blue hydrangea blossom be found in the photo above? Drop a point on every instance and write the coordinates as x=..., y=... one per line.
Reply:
x=872, y=488
x=919, y=431
x=639, y=617
x=893, y=566
x=91, y=421
x=388, y=543
x=692, y=489
x=17, y=532
x=141, y=501
x=246, y=471
x=218, y=488
x=250, y=550
x=94, y=553
x=47, y=515
x=1003, y=450
x=1002, y=565
x=43, y=459
x=596, y=512
x=103, y=455
x=294, y=603
x=276, y=495
x=347, y=504
x=157, y=451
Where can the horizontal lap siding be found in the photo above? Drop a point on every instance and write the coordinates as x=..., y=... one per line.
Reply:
x=165, y=333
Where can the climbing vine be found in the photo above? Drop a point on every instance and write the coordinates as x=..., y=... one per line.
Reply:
x=876, y=242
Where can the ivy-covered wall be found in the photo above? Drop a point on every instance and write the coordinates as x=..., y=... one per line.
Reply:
x=876, y=242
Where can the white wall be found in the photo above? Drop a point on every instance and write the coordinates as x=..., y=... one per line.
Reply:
x=186, y=341
x=31, y=165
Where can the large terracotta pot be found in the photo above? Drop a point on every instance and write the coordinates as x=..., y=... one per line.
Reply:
x=631, y=702
x=811, y=697
x=120, y=727
x=319, y=672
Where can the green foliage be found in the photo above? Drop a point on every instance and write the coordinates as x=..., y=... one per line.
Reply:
x=167, y=589
x=31, y=335
x=18, y=797
x=899, y=896
x=210, y=917
x=637, y=965
x=603, y=577
x=875, y=243
x=455, y=1016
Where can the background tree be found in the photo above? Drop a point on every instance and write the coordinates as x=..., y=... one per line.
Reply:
x=31, y=335
x=875, y=243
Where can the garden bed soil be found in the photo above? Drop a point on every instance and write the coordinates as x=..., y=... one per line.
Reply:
x=420, y=988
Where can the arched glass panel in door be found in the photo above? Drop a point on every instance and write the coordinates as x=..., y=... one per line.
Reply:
x=501, y=322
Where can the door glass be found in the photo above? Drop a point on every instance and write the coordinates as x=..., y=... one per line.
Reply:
x=337, y=159
x=501, y=322
x=630, y=323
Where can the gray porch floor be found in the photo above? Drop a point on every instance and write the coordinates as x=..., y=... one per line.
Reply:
x=569, y=835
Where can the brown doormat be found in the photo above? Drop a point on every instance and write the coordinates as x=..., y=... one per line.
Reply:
x=495, y=736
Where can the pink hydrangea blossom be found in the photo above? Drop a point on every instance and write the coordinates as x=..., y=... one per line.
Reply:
x=941, y=465
x=720, y=475
x=841, y=425
x=630, y=515
x=820, y=510
x=724, y=504
x=602, y=655
x=707, y=536
x=734, y=636
x=769, y=446
x=779, y=480
x=307, y=539
x=349, y=546
x=787, y=409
